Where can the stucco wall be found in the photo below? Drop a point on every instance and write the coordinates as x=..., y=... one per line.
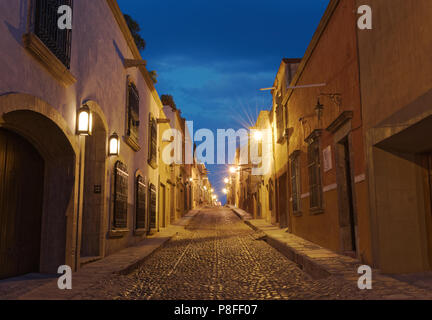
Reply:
x=333, y=61
x=98, y=50
x=396, y=92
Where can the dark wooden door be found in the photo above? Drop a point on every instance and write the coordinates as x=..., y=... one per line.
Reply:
x=429, y=197
x=21, y=196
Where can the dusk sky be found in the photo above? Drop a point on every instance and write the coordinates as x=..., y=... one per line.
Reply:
x=214, y=56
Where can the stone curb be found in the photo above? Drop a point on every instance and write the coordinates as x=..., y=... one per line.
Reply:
x=311, y=267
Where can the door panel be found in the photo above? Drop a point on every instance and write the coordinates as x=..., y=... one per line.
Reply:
x=21, y=194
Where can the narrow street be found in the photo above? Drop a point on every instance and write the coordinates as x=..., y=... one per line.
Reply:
x=219, y=257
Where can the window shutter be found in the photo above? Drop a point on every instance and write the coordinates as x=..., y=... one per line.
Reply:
x=141, y=203
x=152, y=202
x=120, y=196
x=133, y=112
x=314, y=174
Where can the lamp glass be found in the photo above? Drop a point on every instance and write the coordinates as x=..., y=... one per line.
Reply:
x=258, y=136
x=85, y=121
x=114, y=145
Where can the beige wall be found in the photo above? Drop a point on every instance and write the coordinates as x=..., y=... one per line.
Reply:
x=98, y=49
x=396, y=92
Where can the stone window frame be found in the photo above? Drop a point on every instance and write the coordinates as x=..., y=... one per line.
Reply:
x=119, y=169
x=296, y=183
x=316, y=196
x=38, y=46
x=132, y=135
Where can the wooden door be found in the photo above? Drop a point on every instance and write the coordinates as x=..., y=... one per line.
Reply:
x=21, y=197
x=162, y=205
x=428, y=197
x=347, y=218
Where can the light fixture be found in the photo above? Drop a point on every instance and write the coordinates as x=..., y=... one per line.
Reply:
x=319, y=109
x=190, y=179
x=84, y=121
x=114, y=145
x=226, y=180
x=224, y=190
x=212, y=190
x=232, y=169
x=258, y=136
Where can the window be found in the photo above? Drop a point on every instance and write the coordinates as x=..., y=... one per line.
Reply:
x=45, y=26
x=120, y=196
x=141, y=203
x=152, y=158
x=280, y=126
x=314, y=167
x=271, y=192
x=152, y=203
x=133, y=122
x=295, y=182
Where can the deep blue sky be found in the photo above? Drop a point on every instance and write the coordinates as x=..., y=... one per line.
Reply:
x=214, y=56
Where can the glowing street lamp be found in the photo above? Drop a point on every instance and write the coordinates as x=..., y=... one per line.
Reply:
x=114, y=145
x=190, y=179
x=226, y=180
x=258, y=136
x=224, y=190
x=232, y=169
x=84, y=121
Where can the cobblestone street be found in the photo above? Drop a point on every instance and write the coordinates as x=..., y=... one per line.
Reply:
x=219, y=257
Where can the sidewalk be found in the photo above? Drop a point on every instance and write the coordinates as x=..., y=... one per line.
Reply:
x=240, y=213
x=320, y=262
x=42, y=287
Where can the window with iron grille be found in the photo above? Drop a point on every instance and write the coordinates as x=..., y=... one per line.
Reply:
x=152, y=158
x=295, y=182
x=152, y=203
x=141, y=203
x=133, y=113
x=45, y=26
x=314, y=167
x=120, y=195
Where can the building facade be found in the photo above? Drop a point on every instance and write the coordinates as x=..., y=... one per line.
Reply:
x=80, y=122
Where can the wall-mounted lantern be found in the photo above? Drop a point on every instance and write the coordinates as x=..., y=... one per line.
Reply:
x=319, y=110
x=114, y=145
x=84, y=121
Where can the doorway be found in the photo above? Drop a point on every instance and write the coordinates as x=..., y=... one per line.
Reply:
x=162, y=205
x=428, y=197
x=21, y=204
x=347, y=218
x=94, y=191
x=282, y=201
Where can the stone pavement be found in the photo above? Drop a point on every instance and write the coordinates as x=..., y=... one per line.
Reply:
x=321, y=263
x=44, y=287
x=219, y=257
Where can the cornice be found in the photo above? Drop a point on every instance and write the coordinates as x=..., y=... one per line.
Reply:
x=118, y=15
x=312, y=45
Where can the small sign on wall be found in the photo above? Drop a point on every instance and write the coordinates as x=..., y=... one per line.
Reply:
x=327, y=159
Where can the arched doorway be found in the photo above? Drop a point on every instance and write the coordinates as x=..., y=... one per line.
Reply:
x=21, y=203
x=38, y=129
